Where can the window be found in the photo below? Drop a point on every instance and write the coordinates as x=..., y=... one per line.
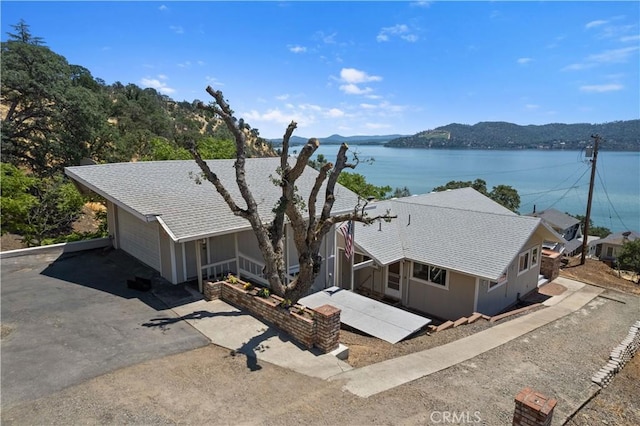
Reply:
x=534, y=257
x=430, y=274
x=609, y=251
x=494, y=284
x=523, y=263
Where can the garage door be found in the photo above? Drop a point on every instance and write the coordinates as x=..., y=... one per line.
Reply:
x=139, y=239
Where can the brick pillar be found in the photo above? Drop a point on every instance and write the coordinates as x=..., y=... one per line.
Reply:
x=550, y=265
x=533, y=409
x=212, y=291
x=327, y=320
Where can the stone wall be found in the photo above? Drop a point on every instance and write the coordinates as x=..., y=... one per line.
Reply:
x=533, y=409
x=620, y=355
x=550, y=264
x=318, y=327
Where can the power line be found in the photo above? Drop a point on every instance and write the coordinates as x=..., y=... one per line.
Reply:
x=609, y=199
x=551, y=190
x=572, y=186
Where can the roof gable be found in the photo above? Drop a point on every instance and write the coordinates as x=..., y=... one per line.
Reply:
x=480, y=243
x=556, y=218
x=189, y=210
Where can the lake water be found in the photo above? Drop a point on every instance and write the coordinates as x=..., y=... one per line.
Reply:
x=558, y=179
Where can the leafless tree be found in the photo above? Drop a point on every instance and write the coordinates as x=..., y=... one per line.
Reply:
x=309, y=226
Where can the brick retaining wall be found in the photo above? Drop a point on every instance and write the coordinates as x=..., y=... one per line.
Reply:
x=620, y=355
x=322, y=330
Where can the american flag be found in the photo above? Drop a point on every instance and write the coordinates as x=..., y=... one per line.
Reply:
x=347, y=231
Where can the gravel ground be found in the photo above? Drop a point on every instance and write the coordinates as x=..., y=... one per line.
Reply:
x=209, y=386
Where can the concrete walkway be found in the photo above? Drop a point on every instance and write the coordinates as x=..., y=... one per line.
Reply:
x=376, y=378
x=239, y=331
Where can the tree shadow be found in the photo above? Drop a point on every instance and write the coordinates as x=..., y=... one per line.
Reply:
x=164, y=323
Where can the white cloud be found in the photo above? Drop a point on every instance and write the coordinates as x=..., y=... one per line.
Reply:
x=201, y=63
x=400, y=30
x=335, y=113
x=578, y=67
x=279, y=117
x=368, y=106
x=326, y=38
x=163, y=8
x=424, y=4
x=176, y=29
x=597, y=23
x=615, y=55
x=155, y=83
x=531, y=106
x=355, y=76
x=601, y=88
x=186, y=64
x=282, y=97
x=297, y=49
x=524, y=61
x=212, y=81
x=352, y=89
x=630, y=38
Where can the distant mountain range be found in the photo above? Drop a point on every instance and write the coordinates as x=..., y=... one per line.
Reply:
x=338, y=139
x=616, y=136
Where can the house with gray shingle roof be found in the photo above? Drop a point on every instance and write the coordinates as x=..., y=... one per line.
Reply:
x=159, y=213
x=447, y=254
x=567, y=226
x=607, y=249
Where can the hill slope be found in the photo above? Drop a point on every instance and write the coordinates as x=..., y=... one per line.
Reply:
x=617, y=135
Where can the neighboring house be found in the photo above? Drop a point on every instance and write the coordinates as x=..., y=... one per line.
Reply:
x=447, y=254
x=565, y=225
x=159, y=214
x=607, y=249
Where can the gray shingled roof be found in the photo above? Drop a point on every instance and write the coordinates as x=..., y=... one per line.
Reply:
x=556, y=218
x=191, y=211
x=463, y=199
x=479, y=242
x=618, y=238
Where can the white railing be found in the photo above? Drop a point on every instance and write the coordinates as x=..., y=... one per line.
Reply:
x=218, y=269
x=394, y=281
x=251, y=269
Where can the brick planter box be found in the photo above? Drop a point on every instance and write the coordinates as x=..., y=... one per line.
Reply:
x=315, y=327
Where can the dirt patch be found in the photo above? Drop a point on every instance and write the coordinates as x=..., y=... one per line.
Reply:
x=87, y=221
x=5, y=331
x=11, y=242
x=366, y=350
x=552, y=289
x=599, y=274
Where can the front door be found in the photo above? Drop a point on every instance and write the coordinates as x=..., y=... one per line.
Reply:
x=393, y=286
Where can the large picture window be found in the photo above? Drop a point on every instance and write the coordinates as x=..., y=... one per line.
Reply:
x=431, y=274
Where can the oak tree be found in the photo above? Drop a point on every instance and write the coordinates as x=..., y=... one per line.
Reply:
x=310, y=219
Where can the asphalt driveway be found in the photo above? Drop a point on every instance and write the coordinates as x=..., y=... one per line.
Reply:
x=70, y=317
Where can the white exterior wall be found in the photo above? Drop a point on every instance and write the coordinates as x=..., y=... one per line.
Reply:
x=139, y=239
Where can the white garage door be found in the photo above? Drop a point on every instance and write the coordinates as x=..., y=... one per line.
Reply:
x=139, y=239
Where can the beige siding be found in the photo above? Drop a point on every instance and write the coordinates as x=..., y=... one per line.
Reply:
x=248, y=244
x=500, y=298
x=452, y=303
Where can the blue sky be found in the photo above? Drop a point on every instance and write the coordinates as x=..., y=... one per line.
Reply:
x=361, y=68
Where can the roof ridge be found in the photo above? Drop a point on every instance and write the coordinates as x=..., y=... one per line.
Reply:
x=511, y=214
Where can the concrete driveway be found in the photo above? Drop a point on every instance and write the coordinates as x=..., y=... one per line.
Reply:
x=67, y=318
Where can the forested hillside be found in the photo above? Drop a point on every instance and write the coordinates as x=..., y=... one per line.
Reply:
x=55, y=114
x=617, y=136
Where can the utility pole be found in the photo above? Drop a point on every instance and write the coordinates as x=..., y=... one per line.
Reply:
x=585, y=235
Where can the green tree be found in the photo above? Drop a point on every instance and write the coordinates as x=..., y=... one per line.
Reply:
x=505, y=195
x=358, y=184
x=53, y=117
x=599, y=231
x=37, y=208
x=629, y=256
x=15, y=201
x=401, y=192
x=478, y=184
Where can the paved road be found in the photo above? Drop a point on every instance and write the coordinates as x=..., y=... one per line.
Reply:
x=68, y=318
